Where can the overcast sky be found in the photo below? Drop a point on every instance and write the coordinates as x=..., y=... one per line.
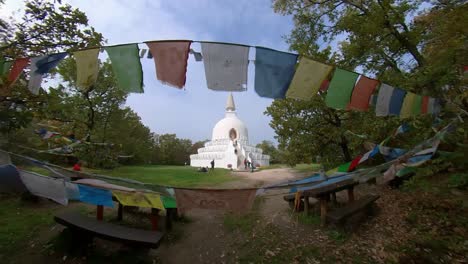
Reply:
x=189, y=113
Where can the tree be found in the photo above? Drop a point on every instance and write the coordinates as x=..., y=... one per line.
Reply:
x=269, y=149
x=46, y=27
x=394, y=41
x=386, y=38
x=172, y=150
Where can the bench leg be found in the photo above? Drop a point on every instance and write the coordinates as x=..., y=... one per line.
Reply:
x=323, y=211
x=100, y=212
x=154, y=219
x=333, y=198
x=351, y=194
x=306, y=205
x=120, y=212
x=169, y=217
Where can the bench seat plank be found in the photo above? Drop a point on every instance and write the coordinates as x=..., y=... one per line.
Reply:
x=109, y=231
x=351, y=208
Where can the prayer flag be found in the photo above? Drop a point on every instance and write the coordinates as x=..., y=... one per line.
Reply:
x=344, y=167
x=48, y=62
x=274, y=71
x=44, y=186
x=170, y=60
x=95, y=196
x=425, y=105
x=354, y=163
x=225, y=66
x=10, y=180
x=396, y=101
x=369, y=154
x=87, y=68
x=35, y=79
x=324, y=86
x=383, y=100
x=416, y=108
x=42, y=65
x=360, y=97
x=230, y=200
x=6, y=67
x=17, y=69
x=126, y=67
x=73, y=193
x=307, y=79
x=341, y=87
x=407, y=107
x=104, y=185
x=140, y=199
x=169, y=202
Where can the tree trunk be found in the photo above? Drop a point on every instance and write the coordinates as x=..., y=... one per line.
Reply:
x=345, y=149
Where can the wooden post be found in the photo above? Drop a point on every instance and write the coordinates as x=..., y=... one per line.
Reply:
x=100, y=212
x=154, y=218
x=120, y=212
x=169, y=217
x=323, y=211
x=351, y=194
x=306, y=204
x=333, y=198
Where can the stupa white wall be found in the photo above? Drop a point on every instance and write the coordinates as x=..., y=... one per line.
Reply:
x=229, y=144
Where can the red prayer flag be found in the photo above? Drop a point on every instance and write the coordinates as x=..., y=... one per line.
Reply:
x=324, y=85
x=170, y=59
x=354, y=163
x=362, y=92
x=17, y=69
x=425, y=104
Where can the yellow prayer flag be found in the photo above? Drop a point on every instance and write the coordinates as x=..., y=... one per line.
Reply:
x=140, y=199
x=87, y=68
x=307, y=79
x=407, y=107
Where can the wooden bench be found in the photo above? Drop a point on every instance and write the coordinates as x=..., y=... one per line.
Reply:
x=82, y=225
x=337, y=215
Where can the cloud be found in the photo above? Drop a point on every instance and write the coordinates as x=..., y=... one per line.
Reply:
x=192, y=112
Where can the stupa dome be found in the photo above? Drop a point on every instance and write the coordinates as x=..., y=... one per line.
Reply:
x=230, y=127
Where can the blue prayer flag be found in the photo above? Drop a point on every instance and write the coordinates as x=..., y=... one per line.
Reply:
x=396, y=101
x=48, y=62
x=95, y=196
x=274, y=71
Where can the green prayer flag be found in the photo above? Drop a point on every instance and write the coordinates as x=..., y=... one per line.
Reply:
x=341, y=88
x=417, y=105
x=126, y=66
x=6, y=67
x=344, y=167
x=407, y=107
x=169, y=202
x=405, y=171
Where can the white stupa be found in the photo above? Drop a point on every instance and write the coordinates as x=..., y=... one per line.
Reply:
x=229, y=144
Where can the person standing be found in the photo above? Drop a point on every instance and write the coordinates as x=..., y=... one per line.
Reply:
x=212, y=164
x=245, y=164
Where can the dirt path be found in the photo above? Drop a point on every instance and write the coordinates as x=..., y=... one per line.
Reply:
x=205, y=240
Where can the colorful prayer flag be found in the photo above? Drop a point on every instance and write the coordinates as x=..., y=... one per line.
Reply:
x=274, y=71
x=344, y=167
x=140, y=199
x=10, y=181
x=341, y=87
x=416, y=108
x=169, y=202
x=87, y=68
x=44, y=186
x=225, y=66
x=95, y=196
x=425, y=105
x=360, y=97
x=383, y=100
x=396, y=101
x=170, y=59
x=354, y=163
x=230, y=200
x=407, y=107
x=126, y=66
x=35, y=79
x=18, y=66
x=307, y=79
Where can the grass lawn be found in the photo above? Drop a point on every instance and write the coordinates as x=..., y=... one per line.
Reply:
x=20, y=222
x=178, y=176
